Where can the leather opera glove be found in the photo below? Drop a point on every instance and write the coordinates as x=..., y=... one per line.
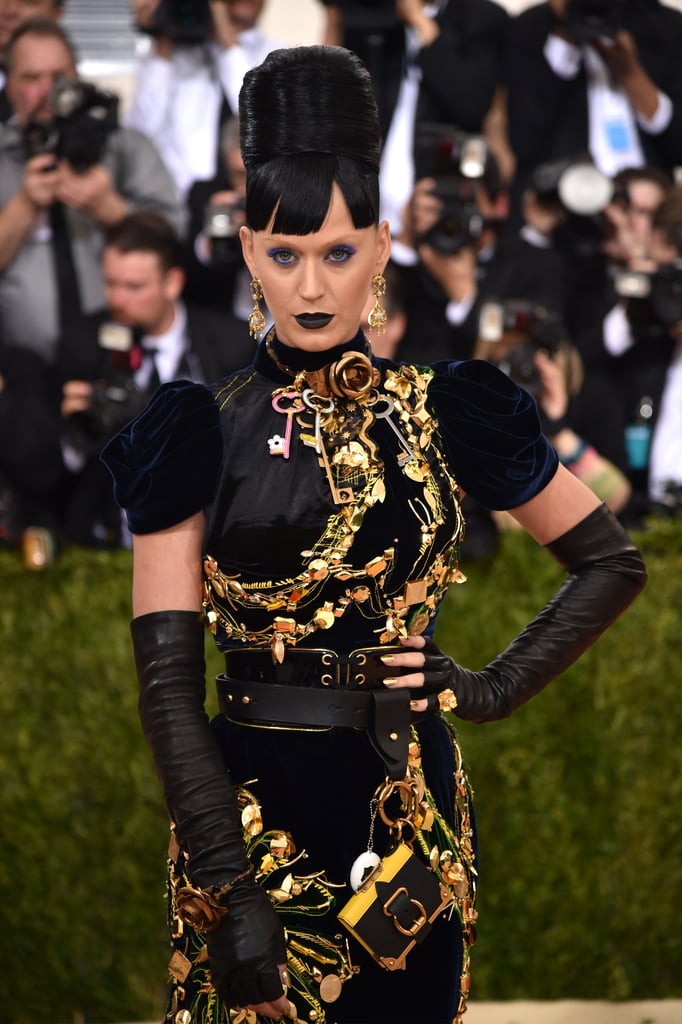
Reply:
x=246, y=946
x=606, y=572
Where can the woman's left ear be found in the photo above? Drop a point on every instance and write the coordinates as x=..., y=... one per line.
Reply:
x=383, y=246
x=246, y=238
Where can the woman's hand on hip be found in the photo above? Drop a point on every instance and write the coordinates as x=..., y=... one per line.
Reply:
x=414, y=657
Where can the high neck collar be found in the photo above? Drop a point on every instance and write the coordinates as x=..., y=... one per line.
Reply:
x=297, y=359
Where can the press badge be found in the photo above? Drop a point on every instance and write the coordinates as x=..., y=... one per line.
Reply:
x=617, y=134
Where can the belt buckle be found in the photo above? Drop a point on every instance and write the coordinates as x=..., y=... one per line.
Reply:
x=358, y=659
x=350, y=664
x=330, y=660
x=342, y=666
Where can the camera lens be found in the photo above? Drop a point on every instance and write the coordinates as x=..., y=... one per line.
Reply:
x=520, y=366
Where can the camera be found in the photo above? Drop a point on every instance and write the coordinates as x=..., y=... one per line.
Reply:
x=460, y=164
x=577, y=189
x=222, y=229
x=183, y=21
x=460, y=224
x=653, y=301
x=587, y=20
x=116, y=398
x=536, y=328
x=84, y=117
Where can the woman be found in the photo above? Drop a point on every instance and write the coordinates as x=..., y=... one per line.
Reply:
x=311, y=504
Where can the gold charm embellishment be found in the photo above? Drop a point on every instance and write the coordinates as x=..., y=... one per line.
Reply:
x=353, y=376
x=330, y=988
x=179, y=966
x=447, y=700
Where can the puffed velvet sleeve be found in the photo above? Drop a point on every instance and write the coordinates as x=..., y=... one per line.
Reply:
x=165, y=463
x=491, y=433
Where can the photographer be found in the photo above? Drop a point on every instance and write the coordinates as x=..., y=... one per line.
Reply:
x=643, y=332
x=602, y=76
x=64, y=178
x=188, y=84
x=216, y=273
x=640, y=191
x=447, y=243
x=530, y=344
x=588, y=226
x=430, y=60
x=112, y=362
x=436, y=62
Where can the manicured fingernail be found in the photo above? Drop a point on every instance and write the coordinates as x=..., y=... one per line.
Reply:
x=389, y=681
x=387, y=659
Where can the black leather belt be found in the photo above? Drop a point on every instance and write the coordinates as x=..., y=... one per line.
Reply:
x=312, y=667
x=312, y=689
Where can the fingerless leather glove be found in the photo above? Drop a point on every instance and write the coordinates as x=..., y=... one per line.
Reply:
x=606, y=572
x=246, y=948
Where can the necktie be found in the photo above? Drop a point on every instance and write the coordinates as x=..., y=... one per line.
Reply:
x=68, y=293
x=224, y=116
x=151, y=353
x=5, y=108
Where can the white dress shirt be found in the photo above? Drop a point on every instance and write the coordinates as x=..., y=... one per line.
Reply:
x=396, y=174
x=613, y=140
x=177, y=102
x=170, y=350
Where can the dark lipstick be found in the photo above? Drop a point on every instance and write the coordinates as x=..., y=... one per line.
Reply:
x=314, y=321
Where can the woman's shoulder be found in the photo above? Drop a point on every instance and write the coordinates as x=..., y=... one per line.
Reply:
x=491, y=431
x=165, y=463
x=485, y=388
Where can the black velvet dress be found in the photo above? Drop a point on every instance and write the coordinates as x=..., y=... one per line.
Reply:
x=333, y=523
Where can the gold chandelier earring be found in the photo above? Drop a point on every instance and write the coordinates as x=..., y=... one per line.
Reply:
x=377, y=317
x=256, y=319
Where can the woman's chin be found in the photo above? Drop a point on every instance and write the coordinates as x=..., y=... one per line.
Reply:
x=317, y=340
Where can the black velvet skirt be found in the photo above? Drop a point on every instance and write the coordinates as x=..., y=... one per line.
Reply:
x=317, y=787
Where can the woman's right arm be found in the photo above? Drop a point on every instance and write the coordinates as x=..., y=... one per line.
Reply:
x=244, y=939
x=167, y=568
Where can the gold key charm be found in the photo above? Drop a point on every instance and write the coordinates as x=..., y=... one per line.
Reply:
x=382, y=409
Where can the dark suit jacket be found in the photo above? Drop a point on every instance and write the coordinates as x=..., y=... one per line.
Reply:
x=548, y=116
x=460, y=70
x=30, y=455
x=208, y=285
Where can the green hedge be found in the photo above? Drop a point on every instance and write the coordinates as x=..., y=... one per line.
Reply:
x=578, y=796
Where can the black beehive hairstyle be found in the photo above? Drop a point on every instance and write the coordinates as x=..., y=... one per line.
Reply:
x=309, y=100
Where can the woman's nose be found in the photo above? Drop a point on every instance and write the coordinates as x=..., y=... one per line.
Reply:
x=311, y=283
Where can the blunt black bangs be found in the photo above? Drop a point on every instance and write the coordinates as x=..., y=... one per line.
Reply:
x=298, y=191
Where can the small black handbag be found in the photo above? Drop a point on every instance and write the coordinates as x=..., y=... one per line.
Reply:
x=394, y=907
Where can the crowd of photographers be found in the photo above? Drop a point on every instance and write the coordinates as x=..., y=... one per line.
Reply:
x=528, y=175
